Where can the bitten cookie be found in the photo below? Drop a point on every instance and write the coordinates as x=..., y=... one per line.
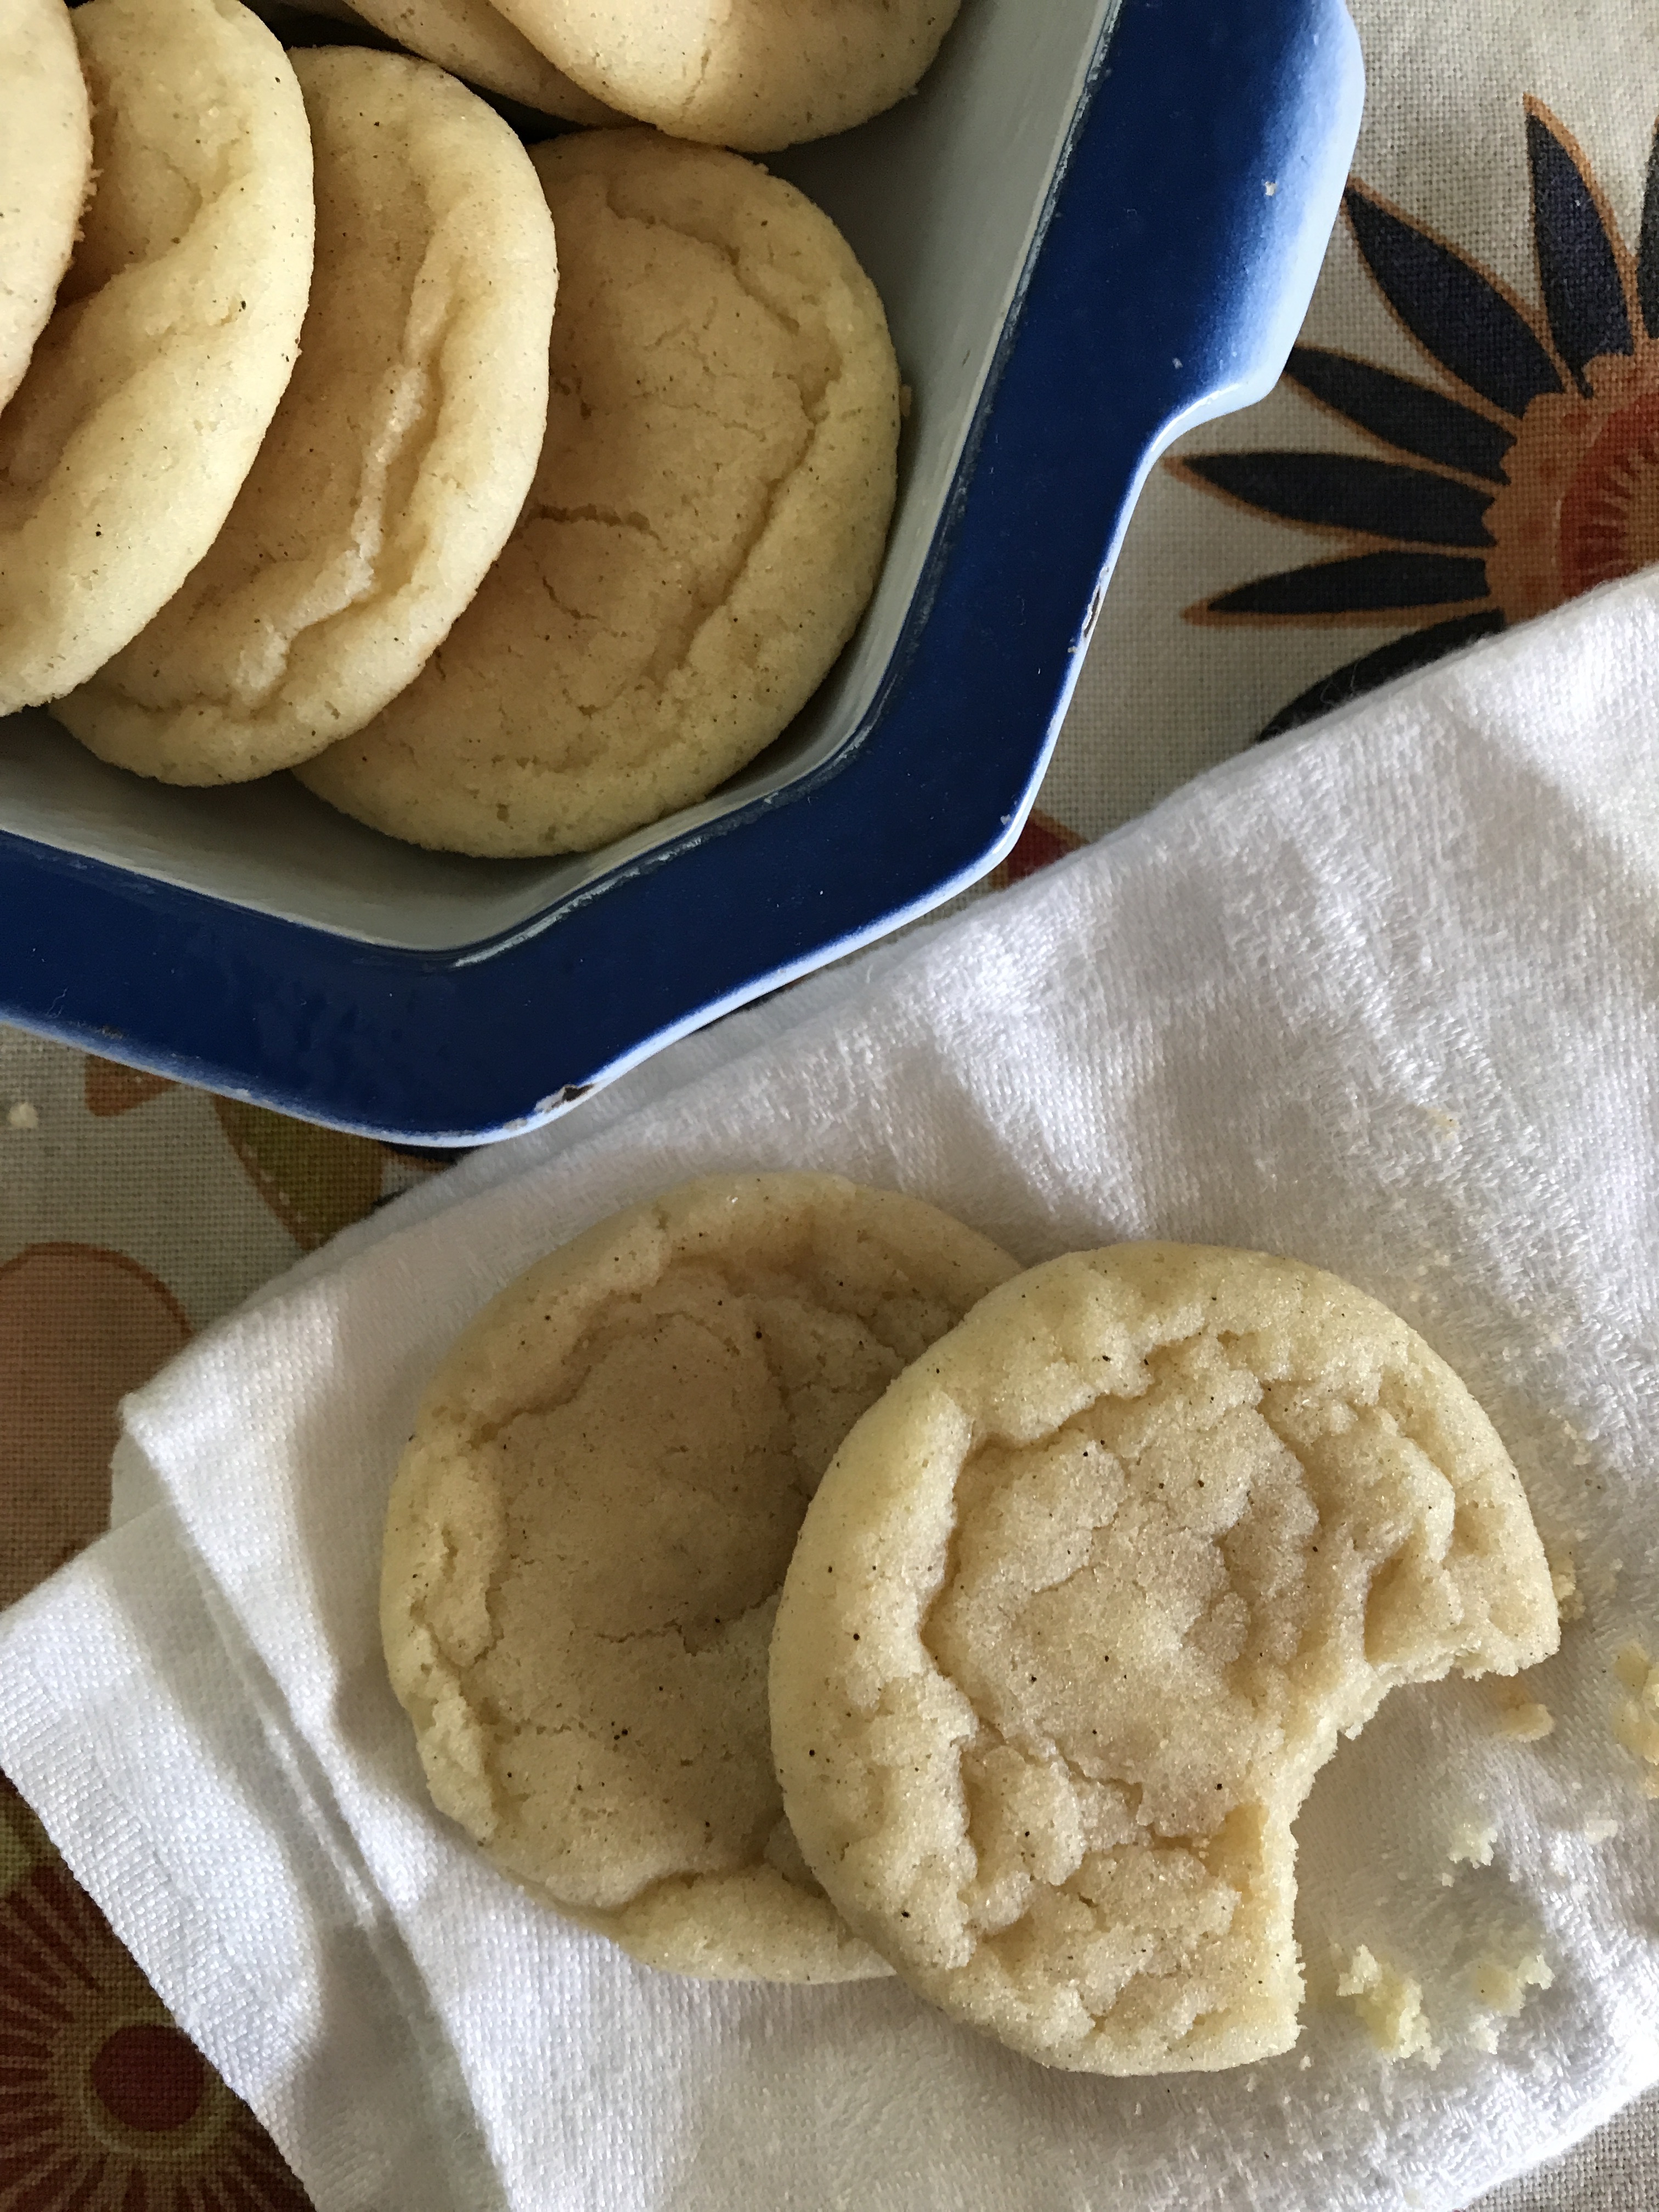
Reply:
x=46, y=171
x=478, y=43
x=1080, y=1609
x=753, y=74
x=398, y=461
x=587, y=1534
x=175, y=332
x=705, y=527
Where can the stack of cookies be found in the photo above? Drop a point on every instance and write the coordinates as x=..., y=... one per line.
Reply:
x=784, y=1584
x=300, y=469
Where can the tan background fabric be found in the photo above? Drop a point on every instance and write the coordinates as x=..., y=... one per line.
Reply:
x=132, y=1213
x=1617, y=2170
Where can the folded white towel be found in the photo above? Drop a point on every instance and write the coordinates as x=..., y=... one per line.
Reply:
x=1384, y=996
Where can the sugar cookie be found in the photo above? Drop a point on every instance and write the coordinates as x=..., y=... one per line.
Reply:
x=705, y=527
x=1081, y=1607
x=587, y=1534
x=399, y=457
x=175, y=332
x=45, y=168
x=477, y=42
x=753, y=74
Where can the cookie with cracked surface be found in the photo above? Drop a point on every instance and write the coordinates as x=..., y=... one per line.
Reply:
x=1080, y=1609
x=174, y=334
x=753, y=74
x=587, y=1534
x=398, y=461
x=46, y=171
x=705, y=527
x=477, y=42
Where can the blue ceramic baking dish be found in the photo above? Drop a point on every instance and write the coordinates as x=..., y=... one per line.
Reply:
x=1098, y=222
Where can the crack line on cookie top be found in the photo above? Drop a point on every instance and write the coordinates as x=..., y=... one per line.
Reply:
x=411, y=417
x=707, y=603
x=720, y=1626
x=733, y=257
x=607, y=515
x=1161, y=1360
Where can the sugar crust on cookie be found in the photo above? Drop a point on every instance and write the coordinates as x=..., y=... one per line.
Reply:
x=478, y=43
x=46, y=171
x=1082, y=1605
x=398, y=458
x=706, y=525
x=175, y=332
x=757, y=75
x=586, y=1533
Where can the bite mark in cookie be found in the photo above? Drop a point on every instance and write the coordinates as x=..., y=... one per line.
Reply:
x=1083, y=1605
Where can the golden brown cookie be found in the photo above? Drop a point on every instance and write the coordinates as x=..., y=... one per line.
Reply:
x=478, y=43
x=399, y=457
x=1082, y=1606
x=45, y=169
x=753, y=74
x=706, y=524
x=587, y=1534
x=175, y=332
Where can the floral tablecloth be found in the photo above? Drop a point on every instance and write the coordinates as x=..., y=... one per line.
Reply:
x=1468, y=434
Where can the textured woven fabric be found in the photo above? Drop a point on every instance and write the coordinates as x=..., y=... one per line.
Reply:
x=1332, y=999
x=132, y=1213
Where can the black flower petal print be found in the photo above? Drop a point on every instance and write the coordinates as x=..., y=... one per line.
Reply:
x=1647, y=251
x=1344, y=491
x=1411, y=417
x=1583, y=292
x=1362, y=584
x=1401, y=657
x=1449, y=307
x=1536, y=476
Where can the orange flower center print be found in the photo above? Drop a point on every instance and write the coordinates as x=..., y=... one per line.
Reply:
x=1581, y=504
x=1527, y=474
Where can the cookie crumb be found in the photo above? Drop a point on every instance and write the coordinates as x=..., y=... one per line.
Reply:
x=1389, y=2003
x=22, y=1115
x=1526, y=1721
x=1636, y=1716
x=1501, y=1987
x=1470, y=1845
x=1564, y=1580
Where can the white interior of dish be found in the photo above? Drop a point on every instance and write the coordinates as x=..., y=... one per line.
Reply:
x=940, y=199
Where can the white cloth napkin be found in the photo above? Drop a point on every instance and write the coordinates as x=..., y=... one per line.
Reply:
x=1383, y=996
